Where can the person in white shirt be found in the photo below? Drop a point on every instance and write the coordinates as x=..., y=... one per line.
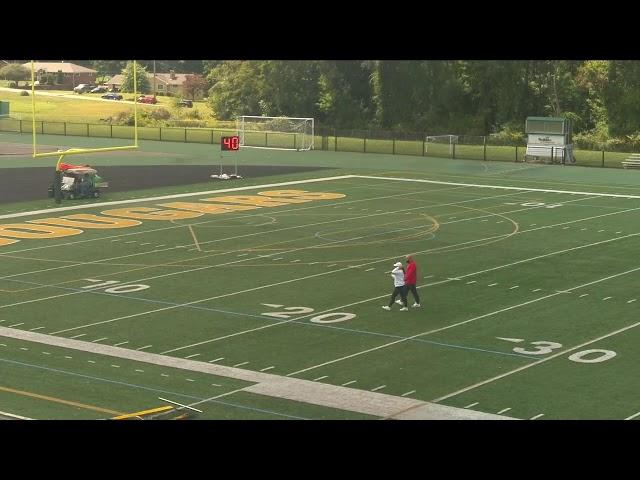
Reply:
x=398, y=287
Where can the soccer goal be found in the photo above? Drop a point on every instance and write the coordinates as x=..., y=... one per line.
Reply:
x=439, y=143
x=283, y=133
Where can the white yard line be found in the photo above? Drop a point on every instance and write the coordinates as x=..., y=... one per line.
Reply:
x=428, y=332
x=191, y=356
x=472, y=405
x=349, y=383
x=504, y=410
x=267, y=368
x=633, y=416
x=378, y=388
x=240, y=364
x=145, y=347
x=516, y=370
x=408, y=393
x=632, y=300
x=216, y=360
x=385, y=295
x=537, y=416
x=320, y=378
x=121, y=343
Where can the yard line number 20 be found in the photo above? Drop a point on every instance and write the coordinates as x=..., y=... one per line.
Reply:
x=289, y=312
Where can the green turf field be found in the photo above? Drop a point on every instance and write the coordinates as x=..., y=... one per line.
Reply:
x=527, y=277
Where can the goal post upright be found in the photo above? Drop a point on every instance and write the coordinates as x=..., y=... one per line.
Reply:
x=79, y=151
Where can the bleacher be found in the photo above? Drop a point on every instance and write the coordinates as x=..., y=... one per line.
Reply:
x=632, y=162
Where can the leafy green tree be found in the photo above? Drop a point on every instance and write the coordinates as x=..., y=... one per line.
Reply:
x=15, y=72
x=144, y=85
x=236, y=89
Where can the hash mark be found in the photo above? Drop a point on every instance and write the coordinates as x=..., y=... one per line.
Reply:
x=472, y=405
x=267, y=368
x=320, y=378
x=408, y=393
x=378, y=388
x=633, y=300
x=537, y=416
x=349, y=383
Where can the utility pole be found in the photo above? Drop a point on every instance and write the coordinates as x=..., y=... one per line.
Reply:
x=154, y=79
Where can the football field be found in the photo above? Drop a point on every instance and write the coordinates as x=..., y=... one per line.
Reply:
x=264, y=301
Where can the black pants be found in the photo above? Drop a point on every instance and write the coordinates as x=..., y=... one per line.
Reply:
x=403, y=295
x=411, y=287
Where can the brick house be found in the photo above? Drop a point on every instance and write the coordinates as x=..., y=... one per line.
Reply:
x=72, y=74
x=166, y=83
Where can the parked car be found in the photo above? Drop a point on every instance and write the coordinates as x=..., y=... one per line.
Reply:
x=111, y=96
x=99, y=89
x=147, y=99
x=185, y=103
x=83, y=88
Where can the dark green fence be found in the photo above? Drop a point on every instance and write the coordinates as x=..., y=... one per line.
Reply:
x=330, y=139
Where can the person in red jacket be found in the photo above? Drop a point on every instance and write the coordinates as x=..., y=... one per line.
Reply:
x=410, y=278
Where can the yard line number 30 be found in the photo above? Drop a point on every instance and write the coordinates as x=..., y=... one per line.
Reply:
x=543, y=347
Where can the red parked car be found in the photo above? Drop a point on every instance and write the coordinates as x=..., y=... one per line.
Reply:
x=147, y=99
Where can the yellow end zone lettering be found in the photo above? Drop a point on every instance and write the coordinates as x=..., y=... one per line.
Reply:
x=301, y=195
x=148, y=213
x=255, y=200
x=213, y=209
x=96, y=221
x=16, y=230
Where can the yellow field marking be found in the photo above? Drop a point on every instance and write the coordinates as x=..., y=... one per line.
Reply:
x=143, y=412
x=195, y=240
x=60, y=400
x=261, y=248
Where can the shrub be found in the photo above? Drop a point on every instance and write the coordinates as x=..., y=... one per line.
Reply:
x=24, y=93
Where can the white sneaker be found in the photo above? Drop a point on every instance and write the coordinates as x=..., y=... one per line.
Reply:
x=386, y=308
x=417, y=305
x=404, y=309
x=399, y=302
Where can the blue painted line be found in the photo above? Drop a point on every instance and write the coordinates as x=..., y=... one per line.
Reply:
x=141, y=387
x=271, y=320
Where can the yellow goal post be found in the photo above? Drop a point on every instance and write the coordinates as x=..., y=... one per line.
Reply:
x=78, y=151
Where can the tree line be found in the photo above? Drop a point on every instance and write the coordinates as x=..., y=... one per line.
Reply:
x=472, y=97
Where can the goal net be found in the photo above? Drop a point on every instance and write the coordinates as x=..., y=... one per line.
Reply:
x=440, y=144
x=284, y=133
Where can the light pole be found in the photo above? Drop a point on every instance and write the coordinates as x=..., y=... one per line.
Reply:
x=154, y=79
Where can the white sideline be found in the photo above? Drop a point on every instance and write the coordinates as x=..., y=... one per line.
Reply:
x=479, y=185
x=166, y=197
x=11, y=416
x=324, y=394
